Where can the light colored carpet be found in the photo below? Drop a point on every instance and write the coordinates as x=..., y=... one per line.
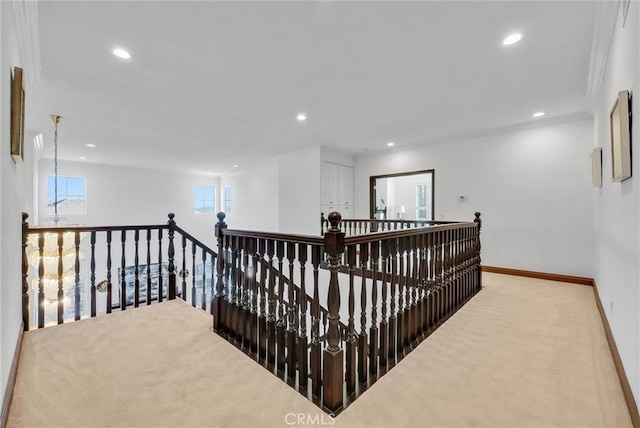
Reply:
x=522, y=352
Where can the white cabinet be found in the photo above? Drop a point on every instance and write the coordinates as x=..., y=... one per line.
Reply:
x=337, y=189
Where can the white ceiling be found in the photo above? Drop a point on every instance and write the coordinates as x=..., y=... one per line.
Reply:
x=212, y=84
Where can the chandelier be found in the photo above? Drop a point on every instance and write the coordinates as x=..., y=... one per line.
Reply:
x=47, y=251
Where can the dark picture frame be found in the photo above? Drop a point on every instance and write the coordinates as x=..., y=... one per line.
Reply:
x=620, y=129
x=17, y=115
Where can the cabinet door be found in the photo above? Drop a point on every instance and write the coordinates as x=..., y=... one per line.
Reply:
x=346, y=185
x=330, y=183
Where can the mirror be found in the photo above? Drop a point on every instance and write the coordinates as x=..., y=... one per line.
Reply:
x=402, y=196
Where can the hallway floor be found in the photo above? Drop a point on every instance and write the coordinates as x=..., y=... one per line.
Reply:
x=523, y=352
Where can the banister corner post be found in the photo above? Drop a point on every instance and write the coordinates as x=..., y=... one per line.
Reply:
x=218, y=298
x=25, y=272
x=171, y=253
x=333, y=370
x=478, y=220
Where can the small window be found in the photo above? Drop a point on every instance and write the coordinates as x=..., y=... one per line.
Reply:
x=421, y=202
x=205, y=199
x=227, y=199
x=70, y=198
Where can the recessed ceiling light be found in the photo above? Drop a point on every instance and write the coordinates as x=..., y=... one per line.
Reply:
x=538, y=114
x=90, y=145
x=83, y=158
x=301, y=117
x=391, y=143
x=121, y=53
x=511, y=39
x=235, y=165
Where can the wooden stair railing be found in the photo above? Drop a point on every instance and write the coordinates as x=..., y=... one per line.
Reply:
x=363, y=226
x=397, y=287
x=129, y=266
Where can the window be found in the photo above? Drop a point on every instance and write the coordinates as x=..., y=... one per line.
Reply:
x=227, y=199
x=70, y=198
x=205, y=199
x=421, y=202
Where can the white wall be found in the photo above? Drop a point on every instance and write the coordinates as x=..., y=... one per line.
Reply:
x=299, y=184
x=532, y=186
x=617, y=205
x=121, y=195
x=255, y=196
x=15, y=197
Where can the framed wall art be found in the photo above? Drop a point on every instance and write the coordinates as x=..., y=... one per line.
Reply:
x=620, y=126
x=17, y=115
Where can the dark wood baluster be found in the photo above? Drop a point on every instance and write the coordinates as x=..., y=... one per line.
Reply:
x=262, y=317
x=194, y=293
x=26, y=321
x=149, y=266
x=350, y=348
x=393, y=284
x=432, y=278
x=438, y=276
x=373, y=332
x=315, y=352
x=109, y=286
x=402, y=286
x=332, y=356
x=281, y=325
x=93, y=273
x=136, y=262
x=407, y=294
x=183, y=272
x=41, y=280
x=229, y=275
x=60, y=279
x=244, y=296
x=170, y=255
x=424, y=281
x=303, y=360
x=212, y=288
x=160, y=269
x=234, y=288
x=203, y=304
x=271, y=302
x=252, y=325
x=219, y=307
x=415, y=309
x=123, y=277
x=384, y=325
x=362, y=338
x=291, y=314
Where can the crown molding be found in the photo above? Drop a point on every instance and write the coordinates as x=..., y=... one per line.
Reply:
x=484, y=133
x=604, y=26
x=25, y=13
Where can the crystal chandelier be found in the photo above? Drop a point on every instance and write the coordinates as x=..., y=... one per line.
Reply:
x=47, y=251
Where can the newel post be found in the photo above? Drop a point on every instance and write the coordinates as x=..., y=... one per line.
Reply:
x=333, y=370
x=218, y=298
x=25, y=271
x=478, y=259
x=171, y=253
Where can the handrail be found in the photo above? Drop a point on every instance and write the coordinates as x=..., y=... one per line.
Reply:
x=403, y=233
x=129, y=265
x=194, y=240
x=302, y=239
x=79, y=228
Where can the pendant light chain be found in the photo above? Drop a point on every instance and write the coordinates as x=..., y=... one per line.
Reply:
x=56, y=119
